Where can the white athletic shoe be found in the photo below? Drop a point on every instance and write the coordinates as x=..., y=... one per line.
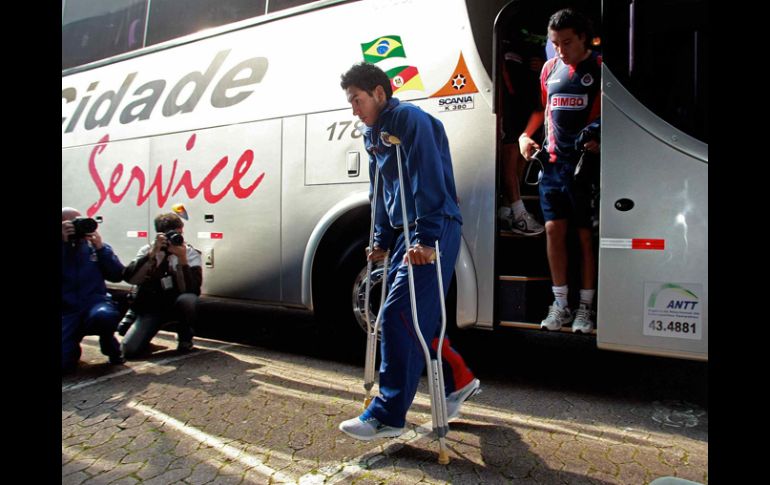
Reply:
x=557, y=317
x=526, y=225
x=456, y=399
x=369, y=429
x=584, y=320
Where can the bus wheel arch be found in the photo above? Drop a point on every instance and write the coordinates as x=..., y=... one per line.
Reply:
x=337, y=258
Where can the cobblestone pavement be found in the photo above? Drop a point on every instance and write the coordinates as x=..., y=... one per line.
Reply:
x=238, y=414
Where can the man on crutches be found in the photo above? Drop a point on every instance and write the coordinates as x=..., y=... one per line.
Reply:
x=433, y=215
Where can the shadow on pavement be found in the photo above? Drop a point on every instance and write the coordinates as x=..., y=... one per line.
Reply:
x=503, y=453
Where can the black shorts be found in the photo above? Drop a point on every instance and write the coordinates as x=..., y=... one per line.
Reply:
x=561, y=197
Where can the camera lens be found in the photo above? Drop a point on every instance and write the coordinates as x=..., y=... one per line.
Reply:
x=175, y=238
x=83, y=226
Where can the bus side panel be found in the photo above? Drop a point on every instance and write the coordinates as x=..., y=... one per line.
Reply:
x=292, y=209
x=315, y=179
x=95, y=175
x=229, y=180
x=472, y=145
x=653, y=258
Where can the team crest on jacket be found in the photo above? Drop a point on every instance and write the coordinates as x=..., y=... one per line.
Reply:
x=587, y=80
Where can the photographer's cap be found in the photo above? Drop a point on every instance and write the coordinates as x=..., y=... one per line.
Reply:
x=180, y=211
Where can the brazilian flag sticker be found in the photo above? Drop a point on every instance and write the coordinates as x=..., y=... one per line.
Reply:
x=383, y=48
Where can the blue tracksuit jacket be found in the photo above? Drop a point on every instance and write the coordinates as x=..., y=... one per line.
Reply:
x=431, y=195
x=83, y=271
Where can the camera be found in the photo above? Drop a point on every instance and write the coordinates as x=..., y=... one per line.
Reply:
x=83, y=226
x=175, y=238
x=125, y=324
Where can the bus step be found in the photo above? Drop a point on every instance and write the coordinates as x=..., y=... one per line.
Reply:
x=536, y=326
x=511, y=234
x=523, y=298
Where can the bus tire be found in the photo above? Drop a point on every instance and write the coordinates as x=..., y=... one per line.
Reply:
x=333, y=286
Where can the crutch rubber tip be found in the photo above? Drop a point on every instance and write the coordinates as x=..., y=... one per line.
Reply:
x=443, y=457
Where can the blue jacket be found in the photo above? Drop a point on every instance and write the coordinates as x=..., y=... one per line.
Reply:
x=431, y=196
x=83, y=271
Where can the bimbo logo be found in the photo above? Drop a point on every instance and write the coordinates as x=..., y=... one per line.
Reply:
x=572, y=102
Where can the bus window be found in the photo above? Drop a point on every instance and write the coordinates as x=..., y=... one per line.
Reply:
x=174, y=18
x=276, y=5
x=665, y=65
x=95, y=30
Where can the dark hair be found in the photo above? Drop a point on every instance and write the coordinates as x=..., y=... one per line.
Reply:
x=567, y=18
x=168, y=222
x=367, y=77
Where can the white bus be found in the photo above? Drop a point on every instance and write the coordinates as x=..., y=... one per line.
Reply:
x=234, y=109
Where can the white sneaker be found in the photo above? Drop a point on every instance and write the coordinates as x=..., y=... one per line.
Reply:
x=557, y=317
x=584, y=320
x=457, y=398
x=526, y=225
x=369, y=429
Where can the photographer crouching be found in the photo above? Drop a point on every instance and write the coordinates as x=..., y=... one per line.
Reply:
x=87, y=308
x=168, y=276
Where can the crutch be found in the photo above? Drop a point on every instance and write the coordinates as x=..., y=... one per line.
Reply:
x=372, y=330
x=435, y=371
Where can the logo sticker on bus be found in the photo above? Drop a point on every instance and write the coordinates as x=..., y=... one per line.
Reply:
x=673, y=310
x=455, y=103
x=460, y=82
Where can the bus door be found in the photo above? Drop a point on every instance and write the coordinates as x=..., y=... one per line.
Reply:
x=653, y=256
x=520, y=50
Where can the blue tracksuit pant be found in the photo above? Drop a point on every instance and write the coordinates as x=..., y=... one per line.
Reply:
x=402, y=357
x=100, y=319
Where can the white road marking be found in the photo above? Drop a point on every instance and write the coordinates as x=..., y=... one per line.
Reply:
x=231, y=452
x=335, y=473
x=146, y=365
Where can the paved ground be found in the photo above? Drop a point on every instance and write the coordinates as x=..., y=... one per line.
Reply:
x=254, y=414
